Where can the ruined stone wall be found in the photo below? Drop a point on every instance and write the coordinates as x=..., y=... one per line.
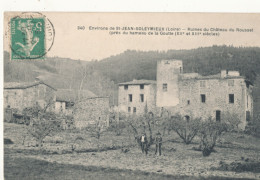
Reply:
x=41, y=95
x=13, y=98
x=217, y=98
x=149, y=93
x=168, y=73
x=90, y=111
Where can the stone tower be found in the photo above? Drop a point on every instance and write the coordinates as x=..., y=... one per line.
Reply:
x=168, y=72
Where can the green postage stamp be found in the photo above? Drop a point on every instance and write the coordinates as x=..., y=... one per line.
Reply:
x=27, y=38
x=29, y=34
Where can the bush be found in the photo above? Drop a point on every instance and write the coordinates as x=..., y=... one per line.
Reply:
x=253, y=127
x=239, y=166
x=117, y=127
x=68, y=122
x=8, y=141
x=96, y=131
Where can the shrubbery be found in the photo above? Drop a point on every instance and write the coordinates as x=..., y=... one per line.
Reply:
x=117, y=123
x=96, y=130
x=117, y=127
x=253, y=127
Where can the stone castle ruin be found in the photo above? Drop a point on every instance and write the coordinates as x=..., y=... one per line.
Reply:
x=190, y=94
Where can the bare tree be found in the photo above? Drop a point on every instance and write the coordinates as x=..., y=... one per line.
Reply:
x=209, y=132
x=84, y=72
x=42, y=128
x=185, y=127
x=142, y=124
x=42, y=124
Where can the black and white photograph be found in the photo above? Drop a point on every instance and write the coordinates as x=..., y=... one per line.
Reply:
x=127, y=95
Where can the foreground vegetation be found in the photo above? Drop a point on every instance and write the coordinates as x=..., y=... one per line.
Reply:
x=27, y=168
x=178, y=159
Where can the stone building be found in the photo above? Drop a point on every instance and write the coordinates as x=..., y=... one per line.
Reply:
x=220, y=96
x=91, y=111
x=167, y=82
x=66, y=98
x=192, y=95
x=137, y=96
x=28, y=94
x=84, y=106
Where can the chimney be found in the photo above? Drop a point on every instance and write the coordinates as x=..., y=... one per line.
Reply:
x=223, y=73
x=233, y=73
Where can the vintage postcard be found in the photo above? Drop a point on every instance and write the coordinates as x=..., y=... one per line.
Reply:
x=131, y=95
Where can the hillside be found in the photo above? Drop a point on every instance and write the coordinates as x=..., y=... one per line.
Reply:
x=206, y=61
x=209, y=60
x=61, y=73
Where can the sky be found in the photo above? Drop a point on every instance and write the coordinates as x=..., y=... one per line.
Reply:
x=86, y=44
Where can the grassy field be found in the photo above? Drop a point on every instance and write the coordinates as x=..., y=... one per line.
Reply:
x=28, y=168
x=178, y=161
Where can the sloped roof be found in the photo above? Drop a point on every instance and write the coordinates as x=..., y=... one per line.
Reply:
x=138, y=82
x=23, y=85
x=70, y=95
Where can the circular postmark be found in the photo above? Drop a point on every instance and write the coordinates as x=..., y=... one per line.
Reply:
x=31, y=36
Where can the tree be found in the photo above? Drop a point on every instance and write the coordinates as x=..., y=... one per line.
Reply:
x=142, y=124
x=185, y=127
x=42, y=123
x=42, y=128
x=209, y=132
x=233, y=120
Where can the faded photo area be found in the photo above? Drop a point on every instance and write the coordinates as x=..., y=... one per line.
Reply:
x=131, y=95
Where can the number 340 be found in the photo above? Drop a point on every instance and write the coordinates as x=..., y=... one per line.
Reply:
x=81, y=27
